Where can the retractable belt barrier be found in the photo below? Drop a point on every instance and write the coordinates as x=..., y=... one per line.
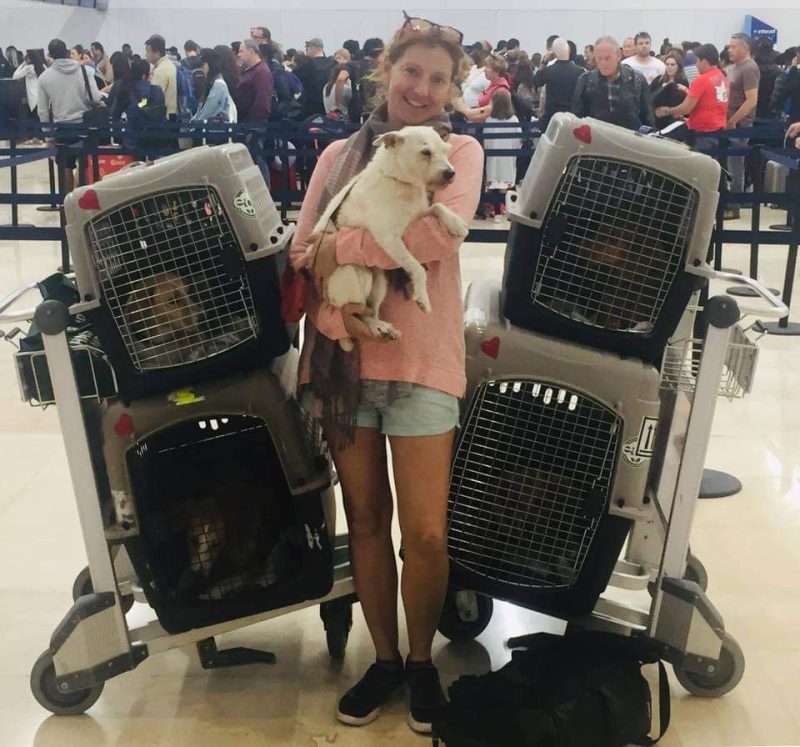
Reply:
x=287, y=152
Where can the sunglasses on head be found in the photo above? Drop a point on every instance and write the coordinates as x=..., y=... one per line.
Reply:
x=422, y=27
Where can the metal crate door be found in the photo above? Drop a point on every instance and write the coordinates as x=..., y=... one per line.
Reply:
x=614, y=241
x=173, y=278
x=531, y=479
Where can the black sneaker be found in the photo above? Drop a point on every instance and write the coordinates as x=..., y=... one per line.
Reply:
x=426, y=698
x=362, y=703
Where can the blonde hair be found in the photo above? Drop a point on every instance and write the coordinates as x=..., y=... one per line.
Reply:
x=497, y=63
x=343, y=53
x=395, y=49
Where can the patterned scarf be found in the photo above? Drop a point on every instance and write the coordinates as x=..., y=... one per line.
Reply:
x=335, y=388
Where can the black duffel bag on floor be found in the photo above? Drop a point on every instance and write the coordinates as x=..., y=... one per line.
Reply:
x=582, y=690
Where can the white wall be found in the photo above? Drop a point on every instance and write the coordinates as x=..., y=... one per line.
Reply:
x=26, y=23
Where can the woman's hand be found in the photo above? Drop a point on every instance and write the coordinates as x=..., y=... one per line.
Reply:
x=321, y=259
x=354, y=326
x=661, y=111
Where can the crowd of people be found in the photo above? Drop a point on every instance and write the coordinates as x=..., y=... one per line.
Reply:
x=255, y=80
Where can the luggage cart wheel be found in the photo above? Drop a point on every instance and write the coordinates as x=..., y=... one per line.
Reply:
x=465, y=614
x=337, y=617
x=83, y=585
x=696, y=571
x=47, y=693
x=726, y=674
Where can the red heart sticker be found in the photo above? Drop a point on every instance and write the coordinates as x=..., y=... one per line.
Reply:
x=583, y=133
x=124, y=426
x=491, y=347
x=88, y=200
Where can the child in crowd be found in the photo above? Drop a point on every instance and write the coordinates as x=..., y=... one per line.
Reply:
x=501, y=171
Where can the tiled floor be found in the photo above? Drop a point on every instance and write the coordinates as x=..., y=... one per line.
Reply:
x=749, y=544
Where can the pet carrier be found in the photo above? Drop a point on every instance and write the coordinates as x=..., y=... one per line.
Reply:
x=213, y=504
x=177, y=263
x=563, y=450
x=217, y=496
x=550, y=467
x=607, y=228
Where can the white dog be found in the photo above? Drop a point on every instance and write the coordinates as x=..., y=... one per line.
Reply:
x=394, y=189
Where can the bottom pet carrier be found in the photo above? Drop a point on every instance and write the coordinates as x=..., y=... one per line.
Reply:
x=226, y=509
x=550, y=467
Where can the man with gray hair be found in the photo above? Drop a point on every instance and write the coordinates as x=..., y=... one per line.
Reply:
x=254, y=94
x=313, y=74
x=613, y=92
x=560, y=77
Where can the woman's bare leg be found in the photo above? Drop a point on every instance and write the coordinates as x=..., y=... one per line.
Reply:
x=422, y=478
x=368, y=504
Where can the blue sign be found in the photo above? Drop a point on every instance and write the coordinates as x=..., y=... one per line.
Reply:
x=756, y=29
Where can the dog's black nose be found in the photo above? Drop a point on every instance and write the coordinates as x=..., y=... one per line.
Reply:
x=448, y=175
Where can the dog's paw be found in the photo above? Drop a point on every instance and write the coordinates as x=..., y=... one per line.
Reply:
x=423, y=302
x=383, y=330
x=346, y=344
x=457, y=228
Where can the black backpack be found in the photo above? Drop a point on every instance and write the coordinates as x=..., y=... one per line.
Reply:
x=582, y=690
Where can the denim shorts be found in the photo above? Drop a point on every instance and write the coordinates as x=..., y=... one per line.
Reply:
x=416, y=410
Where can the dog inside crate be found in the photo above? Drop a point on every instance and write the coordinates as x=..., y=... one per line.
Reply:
x=173, y=276
x=215, y=509
x=614, y=241
x=536, y=481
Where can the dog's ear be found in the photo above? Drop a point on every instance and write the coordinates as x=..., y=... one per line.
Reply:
x=442, y=130
x=389, y=139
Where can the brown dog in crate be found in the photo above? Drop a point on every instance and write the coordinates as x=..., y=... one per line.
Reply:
x=160, y=309
x=621, y=274
x=234, y=543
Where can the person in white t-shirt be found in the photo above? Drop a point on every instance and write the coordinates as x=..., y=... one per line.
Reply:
x=476, y=82
x=649, y=66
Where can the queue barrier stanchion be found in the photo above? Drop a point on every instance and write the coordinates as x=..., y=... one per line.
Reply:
x=756, y=198
x=784, y=327
x=55, y=202
x=13, y=153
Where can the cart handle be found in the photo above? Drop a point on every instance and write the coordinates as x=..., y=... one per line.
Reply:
x=11, y=299
x=777, y=308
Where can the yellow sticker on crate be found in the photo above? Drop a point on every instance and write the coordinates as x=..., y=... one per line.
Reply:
x=184, y=397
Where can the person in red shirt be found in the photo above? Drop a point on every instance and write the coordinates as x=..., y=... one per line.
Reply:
x=494, y=70
x=706, y=104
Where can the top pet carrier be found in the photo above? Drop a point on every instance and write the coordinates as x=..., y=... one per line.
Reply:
x=176, y=265
x=604, y=229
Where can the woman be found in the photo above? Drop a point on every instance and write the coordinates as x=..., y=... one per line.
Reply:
x=501, y=171
x=141, y=102
x=14, y=56
x=668, y=90
x=588, y=57
x=29, y=71
x=120, y=66
x=229, y=67
x=406, y=389
x=218, y=104
x=495, y=71
x=525, y=91
x=338, y=92
x=476, y=81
